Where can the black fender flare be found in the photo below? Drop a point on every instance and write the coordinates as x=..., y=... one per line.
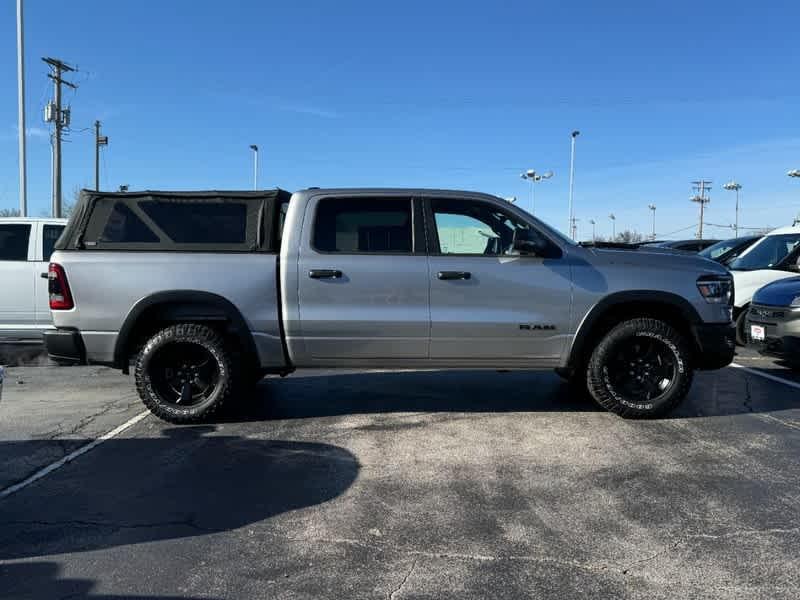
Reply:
x=188, y=306
x=608, y=303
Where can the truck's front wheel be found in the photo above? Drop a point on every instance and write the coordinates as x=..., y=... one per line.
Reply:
x=184, y=373
x=640, y=369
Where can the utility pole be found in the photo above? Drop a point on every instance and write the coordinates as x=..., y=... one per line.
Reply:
x=574, y=228
x=652, y=207
x=23, y=169
x=701, y=187
x=59, y=116
x=99, y=140
x=574, y=134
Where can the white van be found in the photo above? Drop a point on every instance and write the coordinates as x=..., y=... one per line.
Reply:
x=775, y=256
x=25, y=249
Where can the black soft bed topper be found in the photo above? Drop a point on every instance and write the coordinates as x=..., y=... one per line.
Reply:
x=163, y=218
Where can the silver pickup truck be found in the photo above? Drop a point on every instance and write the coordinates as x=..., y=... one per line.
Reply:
x=204, y=293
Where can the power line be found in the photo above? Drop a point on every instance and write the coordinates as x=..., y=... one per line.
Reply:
x=678, y=231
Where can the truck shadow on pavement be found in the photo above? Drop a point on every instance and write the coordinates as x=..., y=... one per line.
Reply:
x=41, y=580
x=192, y=481
x=328, y=393
x=310, y=395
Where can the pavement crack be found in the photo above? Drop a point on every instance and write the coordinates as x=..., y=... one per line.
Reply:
x=745, y=533
x=711, y=536
x=748, y=398
x=399, y=588
x=652, y=557
x=462, y=556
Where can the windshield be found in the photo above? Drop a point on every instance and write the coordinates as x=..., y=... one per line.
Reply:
x=767, y=253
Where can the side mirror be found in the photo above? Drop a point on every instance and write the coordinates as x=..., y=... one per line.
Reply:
x=527, y=242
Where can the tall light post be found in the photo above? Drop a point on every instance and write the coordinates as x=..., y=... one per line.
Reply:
x=573, y=135
x=735, y=187
x=795, y=173
x=652, y=208
x=534, y=177
x=254, y=148
x=592, y=221
x=613, y=226
x=23, y=171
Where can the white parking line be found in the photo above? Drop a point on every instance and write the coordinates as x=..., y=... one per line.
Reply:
x=792, y=384
x=43, y=472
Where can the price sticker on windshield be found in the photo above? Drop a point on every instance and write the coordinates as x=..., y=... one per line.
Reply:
x=758, y=333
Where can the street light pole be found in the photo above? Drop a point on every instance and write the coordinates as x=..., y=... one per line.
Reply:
x=574, y=134
x=534, y=178
x=99, y=140
x=652, y=207
x=613, y=226
x=592, y=221
x=23, y=171
x=254, y=148
x=733, y=186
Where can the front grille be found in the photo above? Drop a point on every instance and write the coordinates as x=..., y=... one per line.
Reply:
x=764, y=312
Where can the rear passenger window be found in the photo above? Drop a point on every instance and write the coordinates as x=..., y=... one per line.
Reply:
x=51, y=235
x=370, y=225
x=14, y=241
x=187, y=222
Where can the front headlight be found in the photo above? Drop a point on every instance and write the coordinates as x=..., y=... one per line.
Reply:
x=716, y=289
x=796, y=302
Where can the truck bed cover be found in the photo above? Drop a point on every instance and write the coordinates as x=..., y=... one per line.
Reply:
x=240, y=221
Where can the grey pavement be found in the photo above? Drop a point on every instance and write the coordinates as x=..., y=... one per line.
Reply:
x=408, y=485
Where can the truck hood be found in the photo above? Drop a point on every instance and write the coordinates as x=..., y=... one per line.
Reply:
x=778, y=293
x=747, y=283
x=658, y=258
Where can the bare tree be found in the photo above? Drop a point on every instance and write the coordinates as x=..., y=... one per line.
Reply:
x=9, y=212
x=629, y=237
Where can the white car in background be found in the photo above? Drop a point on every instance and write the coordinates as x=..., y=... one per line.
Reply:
x=776, y=256
x=25, y=249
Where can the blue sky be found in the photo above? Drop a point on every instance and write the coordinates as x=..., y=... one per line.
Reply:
x=433, y=94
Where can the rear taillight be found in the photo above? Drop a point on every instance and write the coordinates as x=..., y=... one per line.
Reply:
x=60, y=296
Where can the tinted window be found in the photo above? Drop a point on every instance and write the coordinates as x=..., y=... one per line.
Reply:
x=381, y=225
x=122, y=225
x=51, y=235
x=199, y=222
x=467, y=227
x=14, y=242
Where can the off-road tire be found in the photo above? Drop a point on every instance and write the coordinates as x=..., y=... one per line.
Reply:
x=600, y=386
x=186, y=333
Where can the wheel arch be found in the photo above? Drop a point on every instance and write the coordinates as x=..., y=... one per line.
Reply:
x=180, y=306
x=621, y=306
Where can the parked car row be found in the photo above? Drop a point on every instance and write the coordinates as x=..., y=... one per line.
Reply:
x=767, y=289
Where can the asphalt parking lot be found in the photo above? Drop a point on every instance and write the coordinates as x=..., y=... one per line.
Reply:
x=402, y=485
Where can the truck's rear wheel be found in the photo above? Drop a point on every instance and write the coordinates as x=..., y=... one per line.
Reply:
x=640, y=369
x=184, y=373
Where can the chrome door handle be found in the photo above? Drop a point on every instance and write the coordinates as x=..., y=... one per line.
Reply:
x=325, y=274
x=450, y=275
